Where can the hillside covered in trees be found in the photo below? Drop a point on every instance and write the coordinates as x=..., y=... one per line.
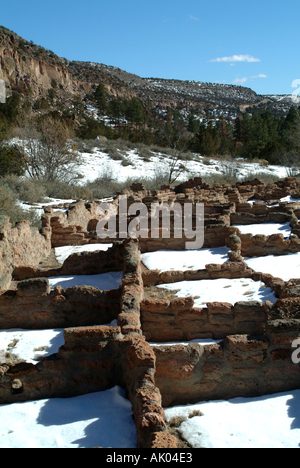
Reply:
x=88, y=100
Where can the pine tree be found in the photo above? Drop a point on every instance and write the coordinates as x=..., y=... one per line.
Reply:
x=116, y=109
x=11, y=161
x=259, y=136
x=100, y=96
x=193, y=124
x=237, y=129
x=291, y=136
x=247, y=129
x=206, y=144
x=135, y=111
x=292, y=120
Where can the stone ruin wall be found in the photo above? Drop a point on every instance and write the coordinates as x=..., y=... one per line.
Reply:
x=224, y=207
x=19, y=246
x=93, y=358
x=252, y=358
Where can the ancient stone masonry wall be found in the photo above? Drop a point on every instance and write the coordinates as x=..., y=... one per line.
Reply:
x=241, y=365
x=84, y=263
x=33, y=306
x=224, y=206
x=139, y=364
x=270, y=192
x=252, y=351
x=178, y=320
x=212, y=271
x=247, y=245
x=19, y=246
x=77, y=226
x=88, y=361
x=132, y=290
x=93, y=358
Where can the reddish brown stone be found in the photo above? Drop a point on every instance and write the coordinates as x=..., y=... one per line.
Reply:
x=175, y=369
x=162, y=440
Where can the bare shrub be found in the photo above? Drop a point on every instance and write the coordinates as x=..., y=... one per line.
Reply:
x=50, y=153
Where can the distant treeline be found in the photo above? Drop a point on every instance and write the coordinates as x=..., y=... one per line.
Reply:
x=260, y=135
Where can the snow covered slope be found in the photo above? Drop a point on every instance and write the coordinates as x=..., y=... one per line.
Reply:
x=98, y=163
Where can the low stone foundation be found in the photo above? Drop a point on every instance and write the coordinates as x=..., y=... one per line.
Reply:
x=33, y=307
x=178, y=320
x=250, y=353
x=93, y=358
x=241, y=365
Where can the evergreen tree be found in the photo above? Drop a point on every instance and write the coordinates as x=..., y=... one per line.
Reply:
x=11, y=161
x=291, y=136
x=259, y=136
x=135, y=111
x=100, y=96
x=292, y=120
x=116, y=109
x=206, y=144
x=10, y=110
x=237, y=129
x=193, y=124
x=247, y=129
x=272, y=125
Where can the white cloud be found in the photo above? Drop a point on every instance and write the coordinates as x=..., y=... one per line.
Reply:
x=261, y=75
x=236, y=58
x=240, y=81
x=193, y=18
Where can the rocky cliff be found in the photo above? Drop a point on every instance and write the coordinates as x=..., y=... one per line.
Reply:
x=33, y=70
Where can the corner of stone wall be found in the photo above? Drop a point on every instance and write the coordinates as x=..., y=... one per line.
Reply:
x=138, y=359
x=139, y=367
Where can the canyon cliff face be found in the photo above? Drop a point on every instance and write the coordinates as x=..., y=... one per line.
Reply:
x=32, y=69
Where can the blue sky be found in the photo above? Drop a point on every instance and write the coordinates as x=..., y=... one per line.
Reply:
x=250, y=42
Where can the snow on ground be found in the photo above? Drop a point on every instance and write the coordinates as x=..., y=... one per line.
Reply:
x=98, y=163
x=102, y=419
x=166, y=260
x=222, y=290
x=289, y=199
x=62, y=253
x=267, y=229
x=105, y=418
x=285, y=267
x=27, y=344
x=103, y=281
x=38, y=207
x=200, y=341
x=271, y=421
